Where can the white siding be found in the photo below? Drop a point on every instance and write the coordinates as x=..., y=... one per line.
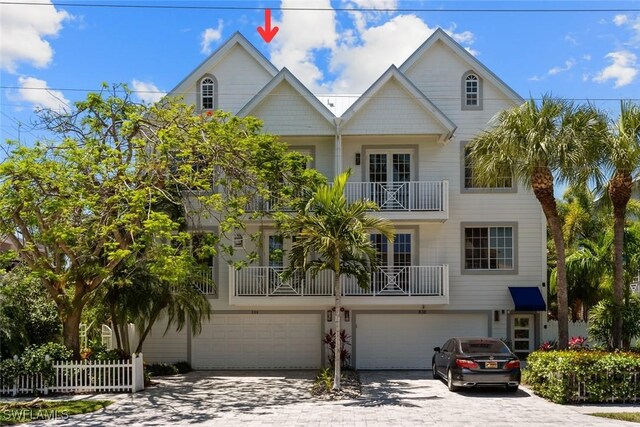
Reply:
x=239, y=78
x=438, y=75
x=286, y=112
x=392, y=110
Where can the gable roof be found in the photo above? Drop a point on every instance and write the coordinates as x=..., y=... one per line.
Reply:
x=440, y=35
x=286, y=75
x=215, y=57
x=394, y=73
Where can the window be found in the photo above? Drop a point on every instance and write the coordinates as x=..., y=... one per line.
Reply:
x=500, y=183
x=489, y=248
x=208, y=93
x=471, y=91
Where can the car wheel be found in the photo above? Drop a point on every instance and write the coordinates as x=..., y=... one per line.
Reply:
x=512, y=388
x=434, y=371
x=450, y=381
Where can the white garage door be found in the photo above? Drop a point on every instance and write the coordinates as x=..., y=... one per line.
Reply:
x=251, y=341
x=406, y=341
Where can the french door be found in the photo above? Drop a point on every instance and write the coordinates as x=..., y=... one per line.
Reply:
x=394, y=260
x=389, y=175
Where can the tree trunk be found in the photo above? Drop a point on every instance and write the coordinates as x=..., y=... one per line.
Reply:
x=71, y=330
x=114, y=325
x=542, y=185
x=337, y=289
x=143, y=337
x=124, y=325
x=620, y=192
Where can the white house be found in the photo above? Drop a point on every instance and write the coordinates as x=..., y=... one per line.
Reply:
x=466, y=260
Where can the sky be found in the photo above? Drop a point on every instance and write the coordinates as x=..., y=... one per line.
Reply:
x=53, y=54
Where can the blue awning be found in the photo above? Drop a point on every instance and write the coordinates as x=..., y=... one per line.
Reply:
x=527, y=298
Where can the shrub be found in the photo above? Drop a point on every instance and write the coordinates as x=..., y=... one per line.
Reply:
x=578, y=343
x=163, y=369
x=605, y=376
x=330, y=340
x=100, y=352
x=34, y=361
x=601, y=321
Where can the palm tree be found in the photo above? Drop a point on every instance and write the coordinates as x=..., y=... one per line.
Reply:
x=621, y=151
x=534, y=142
x=136, y=295
x=335, y=233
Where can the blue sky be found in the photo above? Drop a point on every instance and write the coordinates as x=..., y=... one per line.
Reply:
x=53, y=54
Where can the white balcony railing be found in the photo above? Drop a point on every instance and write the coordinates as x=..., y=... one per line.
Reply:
x=432, y=196
x=402, y=196
x=385, y=281
x=205, y=283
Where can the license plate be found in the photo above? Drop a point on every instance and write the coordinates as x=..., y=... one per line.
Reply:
x=491, y=364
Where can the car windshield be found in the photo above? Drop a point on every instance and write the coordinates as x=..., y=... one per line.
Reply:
x=484, y=346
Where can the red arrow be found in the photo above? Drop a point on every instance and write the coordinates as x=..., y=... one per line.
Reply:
x=267, y=32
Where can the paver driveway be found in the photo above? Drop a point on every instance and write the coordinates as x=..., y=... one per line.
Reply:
x=281, y=398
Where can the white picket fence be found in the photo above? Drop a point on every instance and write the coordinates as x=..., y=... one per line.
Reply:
x=83, y=377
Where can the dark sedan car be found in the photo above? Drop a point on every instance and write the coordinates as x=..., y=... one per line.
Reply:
x=471, y=362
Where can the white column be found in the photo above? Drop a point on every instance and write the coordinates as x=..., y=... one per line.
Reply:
x=338, y=147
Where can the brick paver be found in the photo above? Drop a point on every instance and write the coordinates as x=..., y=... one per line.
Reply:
x=281, y=398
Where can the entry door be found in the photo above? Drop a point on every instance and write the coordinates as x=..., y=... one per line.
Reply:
x=522, y=334
x=394, y=260
x=389, y=175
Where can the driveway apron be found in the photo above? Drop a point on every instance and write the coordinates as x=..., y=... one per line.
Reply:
x=281, y=398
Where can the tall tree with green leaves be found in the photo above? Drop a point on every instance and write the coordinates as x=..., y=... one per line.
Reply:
x=121, y=181
x=621, y=155
x=331, y=233
x=541, y=143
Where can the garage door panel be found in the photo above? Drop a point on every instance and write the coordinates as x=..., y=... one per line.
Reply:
x=243, y=341
x=406, y=341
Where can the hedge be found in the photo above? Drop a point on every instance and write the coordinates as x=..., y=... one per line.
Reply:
x=584, y=376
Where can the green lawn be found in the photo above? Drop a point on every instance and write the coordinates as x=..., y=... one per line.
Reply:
x=623, y=416
x=23, y=412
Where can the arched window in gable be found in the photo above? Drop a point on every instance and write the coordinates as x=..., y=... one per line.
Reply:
x=471, y=91
x=208, y=93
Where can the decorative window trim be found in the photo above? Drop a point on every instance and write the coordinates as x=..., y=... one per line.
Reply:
x=463, y=92
x=200, y=107
x=463, y=178
x=514, y=236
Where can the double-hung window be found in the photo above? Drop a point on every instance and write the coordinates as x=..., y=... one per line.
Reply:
x=207, y=94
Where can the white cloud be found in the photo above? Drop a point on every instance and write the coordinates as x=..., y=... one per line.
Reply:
x=568, y=64
x=302, y=33
x=586, y=57
x=379, y=47
x=376, y=4
x=147, y=92
x=623, y=69
x=210, y=36
x=356, y=54
x=620, y=20
x=569, y=38
x=535, y=78
x=37, y=93
x=23, y=29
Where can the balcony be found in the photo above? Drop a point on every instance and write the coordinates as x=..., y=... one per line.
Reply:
x=419, y=200
x=389, y=285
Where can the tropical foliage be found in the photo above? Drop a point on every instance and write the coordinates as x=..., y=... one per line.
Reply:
x=116, y=185
x=329, y=233
x=542, y=143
